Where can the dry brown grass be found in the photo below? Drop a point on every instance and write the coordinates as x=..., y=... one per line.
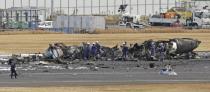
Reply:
x=22, y=32
x=152, y=30
x=117, y=88
x=34, y=43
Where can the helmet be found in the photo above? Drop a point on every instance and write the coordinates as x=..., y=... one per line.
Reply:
x=161, y=44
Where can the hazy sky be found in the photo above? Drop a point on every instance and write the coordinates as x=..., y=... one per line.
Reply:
x=133, y=8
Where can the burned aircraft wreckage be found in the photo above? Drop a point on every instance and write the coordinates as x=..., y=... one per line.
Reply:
x=178, y=48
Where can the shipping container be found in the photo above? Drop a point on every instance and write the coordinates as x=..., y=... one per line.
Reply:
x=74, y=24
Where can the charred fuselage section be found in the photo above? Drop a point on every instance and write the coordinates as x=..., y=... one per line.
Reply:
x=177, y=48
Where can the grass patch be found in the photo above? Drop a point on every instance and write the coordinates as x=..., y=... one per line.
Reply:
x=116, y=88
x=30, y=42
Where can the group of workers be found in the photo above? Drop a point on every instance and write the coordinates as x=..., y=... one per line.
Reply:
x=160, y=49
x=89, y=50
x=94, y=50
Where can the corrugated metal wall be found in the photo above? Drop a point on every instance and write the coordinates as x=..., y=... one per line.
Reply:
x=78, y=23
x=1, y=16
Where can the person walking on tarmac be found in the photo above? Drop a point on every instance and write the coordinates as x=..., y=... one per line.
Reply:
x=12, y=63
x=125, y=51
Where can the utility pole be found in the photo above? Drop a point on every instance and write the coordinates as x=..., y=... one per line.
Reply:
x=91, y=3
x=153, y=6
x=5, y=4
x=37, y=3
x=13, y=3
x=130, y=6
x=107, y=7
x=76, y=7
x=52, y=7
x=83, y=7
x=138, y=7
x=114, y=6
x=21, y=12
x=60, y=6
x=99, y=4
x=68, y=16
x=145, y=7
x=21, y=3
x=160, y=7
x=45, y=13
x=29, y=3
x=167, y=4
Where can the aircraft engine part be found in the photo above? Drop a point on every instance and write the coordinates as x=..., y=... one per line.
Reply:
x=184, y=45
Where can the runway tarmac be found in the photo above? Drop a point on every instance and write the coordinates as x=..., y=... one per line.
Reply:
x=192, y=72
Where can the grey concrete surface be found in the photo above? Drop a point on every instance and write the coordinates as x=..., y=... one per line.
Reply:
x=116, y=73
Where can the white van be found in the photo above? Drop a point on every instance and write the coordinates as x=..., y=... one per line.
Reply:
x=45, y=25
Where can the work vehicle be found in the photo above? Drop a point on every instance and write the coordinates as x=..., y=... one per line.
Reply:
x=45, y=25
x=128, y=20
x=181, y=16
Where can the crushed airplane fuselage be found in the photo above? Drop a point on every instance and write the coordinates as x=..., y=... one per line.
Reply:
x=179, y=48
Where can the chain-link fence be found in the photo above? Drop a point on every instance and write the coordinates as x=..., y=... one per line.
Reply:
x=83, y=7
x=86, y=7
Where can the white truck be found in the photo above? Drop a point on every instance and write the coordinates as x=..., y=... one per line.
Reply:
x=160, y=21
x=200, y=19
x=130, y=21
x=127, y=20
x=45, y=25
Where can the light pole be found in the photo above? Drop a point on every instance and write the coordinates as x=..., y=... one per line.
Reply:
x=21, y=5
x=160, y=7
x=52, y=7
x=99, y=4
x=68, y=15
x=114, y=6
x=137, y=7
x=76, y=7
x=107, y=6
x=60, y=6
x=167, y=4
x=83, y=7
x=145, y=7
x=91, y=3
x=5, y=4
x=13, y=3
x=45, y=13
x=153, y=6
x=29, y=3
x=130, y=6
x=37, y=3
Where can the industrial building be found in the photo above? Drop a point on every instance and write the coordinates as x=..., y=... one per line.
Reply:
x=25, y=14
x=21, y=17
x=1, y=16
